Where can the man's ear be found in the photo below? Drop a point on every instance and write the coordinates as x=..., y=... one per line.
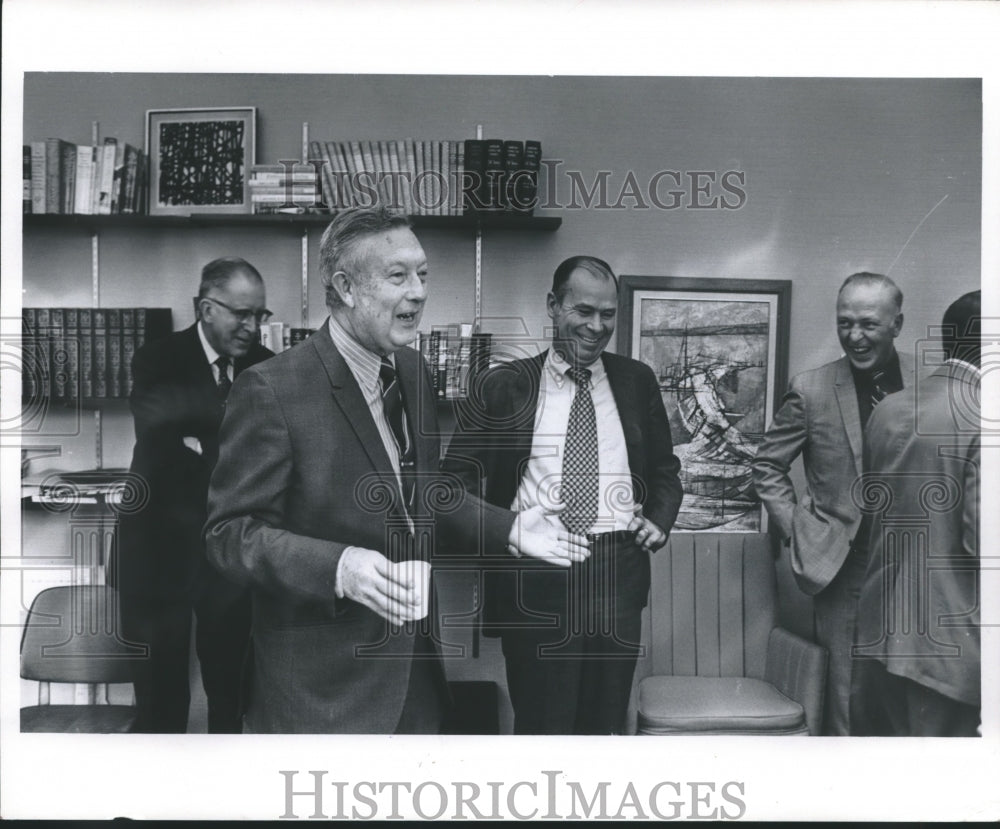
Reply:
x=341, y=283
x=551, y=303
x=897, y=324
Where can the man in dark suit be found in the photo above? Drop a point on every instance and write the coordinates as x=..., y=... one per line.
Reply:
x=822, y=418
x=328, y=487
x=589, y=430
x=178, y=398
x=918, y=621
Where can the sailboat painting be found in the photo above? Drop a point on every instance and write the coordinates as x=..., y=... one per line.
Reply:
x=714, y=354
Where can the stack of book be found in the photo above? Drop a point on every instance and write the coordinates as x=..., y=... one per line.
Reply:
x=418, y=177
x=456, y=356
x=279, y=336
x=101, y=180
x=284, y=188
x=429, y=178
x=85, y=353
x=501, y=175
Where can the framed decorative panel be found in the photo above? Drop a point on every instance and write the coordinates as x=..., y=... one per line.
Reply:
x=200, y=160
x=719, y=348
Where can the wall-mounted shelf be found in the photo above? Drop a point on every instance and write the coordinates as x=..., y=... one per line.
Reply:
x=470, y=223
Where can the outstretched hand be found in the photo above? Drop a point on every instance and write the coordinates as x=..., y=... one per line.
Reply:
x=535, y=534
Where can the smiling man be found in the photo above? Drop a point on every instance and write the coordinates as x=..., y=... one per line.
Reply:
x=589, y=430
x=179, y=396
x=822, y=418
x=328, y=482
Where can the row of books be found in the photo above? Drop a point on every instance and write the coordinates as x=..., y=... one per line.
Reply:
x=104, y=179
x=428, y=178
x=280, y=336
x=455, y=356
x=281, y=188
x=85, y=353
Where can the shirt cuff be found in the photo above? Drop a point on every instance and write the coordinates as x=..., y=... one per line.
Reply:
x=337, y=588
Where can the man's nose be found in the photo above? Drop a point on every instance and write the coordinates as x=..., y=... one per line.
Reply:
x=416, y=289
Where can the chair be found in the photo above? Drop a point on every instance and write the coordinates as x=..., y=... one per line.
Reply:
x=716, y=662
x=70, y=636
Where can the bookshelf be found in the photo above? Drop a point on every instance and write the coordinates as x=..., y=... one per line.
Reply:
x=467, y=224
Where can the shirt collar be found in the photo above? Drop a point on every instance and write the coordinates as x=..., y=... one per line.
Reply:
x=976, y=370
x=210, y=353
x=364, y=364
x=557, y=367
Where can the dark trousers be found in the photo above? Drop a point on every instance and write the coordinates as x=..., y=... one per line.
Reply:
x=836, y=608
x=222, y=637
x=570, y=671
x=886, y=705
x=427, y=698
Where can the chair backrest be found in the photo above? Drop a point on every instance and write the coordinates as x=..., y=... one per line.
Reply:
x=72, y=634
x=712, y=605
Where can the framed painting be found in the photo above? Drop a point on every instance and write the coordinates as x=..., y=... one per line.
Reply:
x=200, y=160
x=719, y=348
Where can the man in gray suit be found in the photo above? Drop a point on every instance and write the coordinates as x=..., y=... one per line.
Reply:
x=919, y=617
x=822, y=418
x=328, y=482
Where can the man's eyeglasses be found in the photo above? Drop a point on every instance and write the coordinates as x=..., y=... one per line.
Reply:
x=243, y=315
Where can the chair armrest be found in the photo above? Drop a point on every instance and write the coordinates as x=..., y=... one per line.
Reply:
x=797, y=668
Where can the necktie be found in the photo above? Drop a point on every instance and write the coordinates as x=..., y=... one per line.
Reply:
x=878, y=390
x=580, y=461
x=224, y=383
x=392, y=404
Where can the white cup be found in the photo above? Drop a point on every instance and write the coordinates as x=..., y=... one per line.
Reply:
x=418, y=573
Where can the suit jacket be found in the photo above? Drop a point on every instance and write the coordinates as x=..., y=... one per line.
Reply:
x=920, y=616
x=818, y=419
x=302, y=475
x=159, y=549
x=492, y=443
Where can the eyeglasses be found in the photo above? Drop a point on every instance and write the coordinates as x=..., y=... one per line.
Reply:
x=243, y=315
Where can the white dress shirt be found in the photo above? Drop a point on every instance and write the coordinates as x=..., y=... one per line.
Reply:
x=543, y=475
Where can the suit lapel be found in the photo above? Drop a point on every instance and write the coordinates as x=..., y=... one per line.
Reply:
x=847, y=400
x=523, y=405
x=623, y=390
x=349, y=399
x=196, y=364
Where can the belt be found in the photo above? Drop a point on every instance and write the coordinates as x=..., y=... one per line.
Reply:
x=615, y=537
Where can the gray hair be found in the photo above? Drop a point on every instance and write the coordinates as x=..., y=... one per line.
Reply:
x=872, y=279
x=340, y=239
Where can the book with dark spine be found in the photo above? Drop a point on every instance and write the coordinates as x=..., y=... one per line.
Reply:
x=473, y=175
x=71, y=342
x=26, y=178
x=67, y=181
x=86, y=322
x=100, y=317
x=59, y=358
x=513, y=160
x=31, y=373
x=128, y=349
x=493, y=174
x=55, y=185
x=526, y=192
x=114, y=318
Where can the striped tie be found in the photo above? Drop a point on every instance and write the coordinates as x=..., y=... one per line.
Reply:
x=392, y=404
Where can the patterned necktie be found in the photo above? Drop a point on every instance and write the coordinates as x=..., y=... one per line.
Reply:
x=224, y=383
x=878, y=390
x=392, y=404
x=580, y=461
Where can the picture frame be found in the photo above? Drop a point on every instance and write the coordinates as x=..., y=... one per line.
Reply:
x=719, y=348
x=200, y=159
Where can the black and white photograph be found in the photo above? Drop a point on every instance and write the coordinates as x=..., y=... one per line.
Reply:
x=533, y=432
